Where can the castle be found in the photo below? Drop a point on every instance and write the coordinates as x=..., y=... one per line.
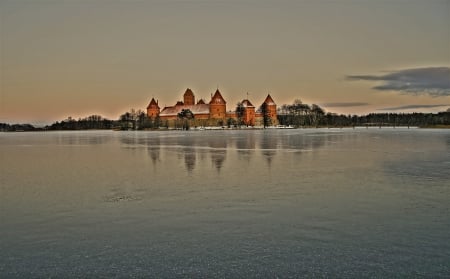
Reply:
x=215, y=112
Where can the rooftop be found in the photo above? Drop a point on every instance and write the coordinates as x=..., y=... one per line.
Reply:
x=195, y=109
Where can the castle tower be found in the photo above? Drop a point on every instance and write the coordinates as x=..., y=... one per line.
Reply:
x=249, y=113
x=217, y=106
x=153, y=109
x=271, y=108
x=189, y=98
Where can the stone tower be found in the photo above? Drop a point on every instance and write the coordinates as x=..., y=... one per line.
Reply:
x=153, y=109
x=189, y=98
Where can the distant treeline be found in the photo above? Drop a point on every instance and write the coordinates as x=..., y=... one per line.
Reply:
x=296, y=115
x=303, y=115
x=132, y=120
x=91, y=122
x=4, y=127
x=96, y=122
x=372, y=119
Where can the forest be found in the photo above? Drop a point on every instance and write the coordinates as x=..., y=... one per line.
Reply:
x=303, y=115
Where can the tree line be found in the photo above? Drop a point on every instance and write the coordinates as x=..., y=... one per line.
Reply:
x=299, y=114
x=5, y=127
x=296, y=115
x=91, y=122
x=303, y=115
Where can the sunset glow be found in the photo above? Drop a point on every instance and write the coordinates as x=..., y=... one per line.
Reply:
x=76, y=58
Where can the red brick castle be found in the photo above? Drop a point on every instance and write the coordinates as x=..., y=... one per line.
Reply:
x=215, y=112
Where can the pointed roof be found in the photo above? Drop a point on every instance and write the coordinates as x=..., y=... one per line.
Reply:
x=153, y=104
x=217, y=98
x=188, y=92
x=246, y=103
x=200, y=102
x=269, y=100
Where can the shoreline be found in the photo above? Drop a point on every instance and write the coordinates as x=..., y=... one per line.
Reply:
x=443, y=127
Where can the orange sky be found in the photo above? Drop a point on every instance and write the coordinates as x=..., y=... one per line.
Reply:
x=76, y=58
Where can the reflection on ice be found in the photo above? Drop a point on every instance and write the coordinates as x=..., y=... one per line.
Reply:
x=190, y=157
x=194, y=146
x=154, y=153
x=218, y=151
x=244, y=203
x=268, y=145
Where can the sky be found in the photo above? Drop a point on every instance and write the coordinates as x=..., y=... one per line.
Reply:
x=61, y=58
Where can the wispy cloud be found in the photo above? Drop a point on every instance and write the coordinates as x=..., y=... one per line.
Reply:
x=433, y=81
x=415, y=107
x=343, y=104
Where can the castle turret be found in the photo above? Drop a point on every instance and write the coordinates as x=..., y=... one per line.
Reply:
x=153, y=109
x=217, y=106
x=189, y=98
x=271, y=109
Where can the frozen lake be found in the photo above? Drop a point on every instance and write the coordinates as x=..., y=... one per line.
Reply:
x=226, y=204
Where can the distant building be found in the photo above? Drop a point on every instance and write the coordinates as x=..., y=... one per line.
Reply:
x=212, y=114
x=153, y=109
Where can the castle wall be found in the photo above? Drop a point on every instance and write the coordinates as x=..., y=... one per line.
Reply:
x=152, y=112
x=217, y=111
x=249, y=116
x=189, y=99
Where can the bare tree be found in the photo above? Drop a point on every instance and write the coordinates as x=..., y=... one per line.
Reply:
x=240, y=110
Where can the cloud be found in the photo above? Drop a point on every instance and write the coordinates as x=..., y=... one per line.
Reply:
x=342, y=105
x=433, y=81
x=415, y=107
